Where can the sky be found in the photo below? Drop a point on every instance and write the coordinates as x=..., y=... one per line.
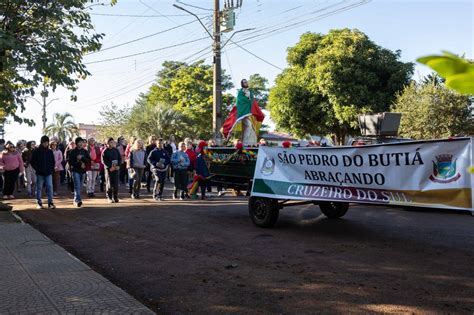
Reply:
x=417, y=28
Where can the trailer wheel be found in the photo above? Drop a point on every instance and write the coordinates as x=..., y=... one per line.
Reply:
x=334, y=210
x=263, y=211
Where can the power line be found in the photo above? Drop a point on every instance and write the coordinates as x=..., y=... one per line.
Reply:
x=145, y=83
x=140, y=15
x=144, y=37
x=230, y=67
x=193, y=6
x=146, y=52
x=260, y=58
x=285, y=28
x=125, y=27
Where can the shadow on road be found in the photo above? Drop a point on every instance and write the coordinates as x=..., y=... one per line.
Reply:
x=207, y=257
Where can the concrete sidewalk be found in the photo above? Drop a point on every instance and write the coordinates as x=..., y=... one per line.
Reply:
x=39, y=277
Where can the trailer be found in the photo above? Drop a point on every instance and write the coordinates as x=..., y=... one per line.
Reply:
x=427, y=173
x=235, y=169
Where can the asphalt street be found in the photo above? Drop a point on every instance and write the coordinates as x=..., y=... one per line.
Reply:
x=207, y=257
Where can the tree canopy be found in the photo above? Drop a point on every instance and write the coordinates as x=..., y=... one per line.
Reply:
x=63, y=127
x=333, y=78
x=187, y=88
x=42, y=41
x=431, y=111
x=178, y=103
x=114, y=121
x=259, y=87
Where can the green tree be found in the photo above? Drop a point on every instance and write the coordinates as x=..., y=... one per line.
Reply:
x=114, y=121
x=432, y=111
x=149, y=118
x=39, y=41
x=259, y=87
x=187, y=88
x=63, y=127
x=339, y=75
x=297, y=109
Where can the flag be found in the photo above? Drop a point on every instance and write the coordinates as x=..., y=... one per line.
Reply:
x=243, y=108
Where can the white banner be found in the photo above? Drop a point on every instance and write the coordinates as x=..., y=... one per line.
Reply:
x=418, y=173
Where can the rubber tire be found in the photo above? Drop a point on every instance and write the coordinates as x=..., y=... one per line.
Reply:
x=334, y=210
x=263, y=211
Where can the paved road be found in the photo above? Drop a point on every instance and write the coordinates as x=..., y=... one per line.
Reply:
x=207, y=257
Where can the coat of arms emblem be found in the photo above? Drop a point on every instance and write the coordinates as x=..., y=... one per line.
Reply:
x=444, y=169
x=268, y=166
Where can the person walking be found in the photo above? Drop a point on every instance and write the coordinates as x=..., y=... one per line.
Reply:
x=11, y=164
x=128, y=149
x=171, y=148
x=192, y=161
x=93, y=167
x=58, y=166
x=70, y=184
x=44, y=164
x=159, y=162
x=112, y=159
x=151, y=145
x=202, y=171
x=30, y=176
x=122, y=167
x=102, y=148
x=180, y=163
x=137, y=162
x=77, y=160
x=2, y=147
x=20, y=183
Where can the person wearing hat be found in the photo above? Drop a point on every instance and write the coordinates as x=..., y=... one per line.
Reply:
x=42, y=161
x=112, y=159
x=78, y=158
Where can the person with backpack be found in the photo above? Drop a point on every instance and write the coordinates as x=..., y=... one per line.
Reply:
x=159, y=162
x=78, y=158
x=112, y=159
x=42, y=161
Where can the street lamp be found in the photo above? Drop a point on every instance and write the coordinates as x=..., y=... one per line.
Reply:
x=44, y=105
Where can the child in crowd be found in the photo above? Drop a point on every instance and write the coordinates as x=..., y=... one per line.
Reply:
x=180, y=162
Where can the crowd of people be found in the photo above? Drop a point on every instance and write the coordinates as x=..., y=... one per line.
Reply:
x=87, y=163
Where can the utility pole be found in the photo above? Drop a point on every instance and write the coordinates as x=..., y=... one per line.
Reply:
x=217, y=88
x=44, y=95
x=44, y=104
x=227, y=19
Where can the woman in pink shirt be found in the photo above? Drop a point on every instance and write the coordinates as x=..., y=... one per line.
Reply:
x=11, y=164
x=58, y=167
